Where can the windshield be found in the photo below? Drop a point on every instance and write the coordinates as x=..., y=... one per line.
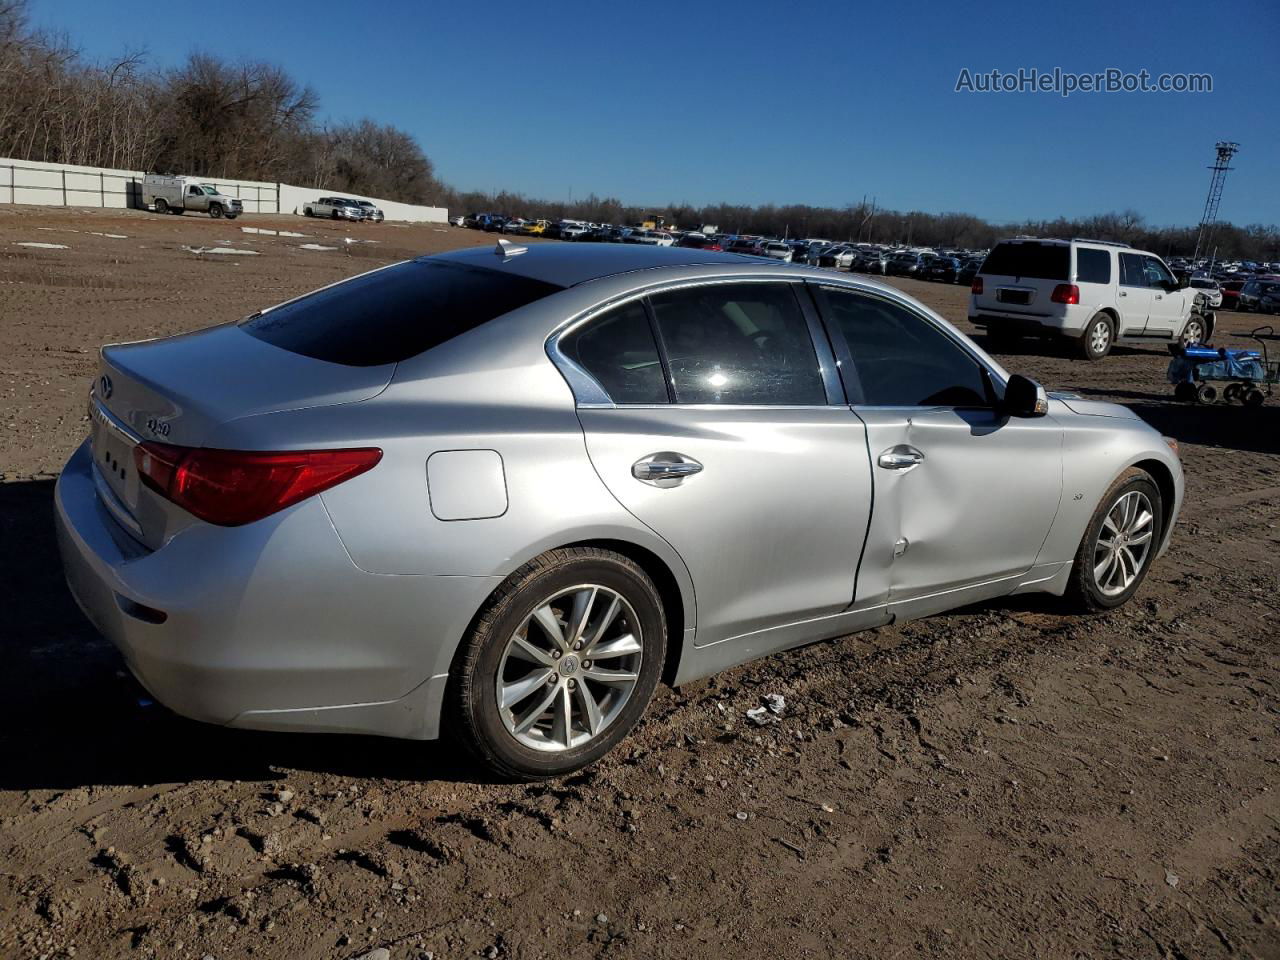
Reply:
x=209, y=189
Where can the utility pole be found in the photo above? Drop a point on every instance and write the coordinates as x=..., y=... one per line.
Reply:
x=1209, y=219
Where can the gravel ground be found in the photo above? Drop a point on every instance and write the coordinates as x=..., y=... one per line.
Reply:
x=1008, y=780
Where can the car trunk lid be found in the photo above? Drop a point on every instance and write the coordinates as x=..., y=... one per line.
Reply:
x=178, y=390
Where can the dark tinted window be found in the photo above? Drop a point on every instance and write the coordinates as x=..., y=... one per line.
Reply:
x=1040, y=261
x=619, y=351
x=1133, y=272
x=394, y=314
x=1093, y=266
x=738, y=343
x=900, y=358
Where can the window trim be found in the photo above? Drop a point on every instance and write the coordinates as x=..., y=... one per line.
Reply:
x=590, y=394
x=994, y=382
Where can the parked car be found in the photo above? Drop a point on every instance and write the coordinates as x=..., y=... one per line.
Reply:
x=1208, y=289
x=744, y=245
x=871, y=261
x=904, y=265
x=331, y=516
x=1251, y=294
x=1230, y=292
x=334, y=208
x=1092, y=292
x=944, y=269
x=837, y=257
x=534, y=228
x=574, y=231
x=968, y=271
x=180, y=194
x=698, y=241
x=776, y=250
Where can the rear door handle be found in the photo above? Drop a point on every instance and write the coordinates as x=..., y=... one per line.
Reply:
x=665, y=469
x=901, y=458
x=1123, y=293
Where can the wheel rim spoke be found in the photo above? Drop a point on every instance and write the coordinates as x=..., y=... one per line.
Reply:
x=546, y=618
x=513, y=693
x=522, y=649
x=610, y=676
x=538, y=711
x=582, y=602
x=622, y=646
x=590, y=709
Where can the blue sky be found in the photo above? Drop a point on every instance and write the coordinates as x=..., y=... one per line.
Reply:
x=758, y=102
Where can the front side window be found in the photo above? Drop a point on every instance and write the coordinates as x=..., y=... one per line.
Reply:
x=1093, y=266
x=900, y=359
x=1158, y=274
x=738, y=343
x=619, y=351
x=1133, y=272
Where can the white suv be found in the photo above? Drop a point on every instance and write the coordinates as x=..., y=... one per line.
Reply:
x=1094, y=292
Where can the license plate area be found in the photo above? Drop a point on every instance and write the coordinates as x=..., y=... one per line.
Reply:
x=113, y=456
x=1021, y=297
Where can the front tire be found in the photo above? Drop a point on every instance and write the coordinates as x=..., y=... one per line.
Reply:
x=559, y=665
x=1193, y=331
x=1119, y=544
x=1099, y=334
x=215, y=211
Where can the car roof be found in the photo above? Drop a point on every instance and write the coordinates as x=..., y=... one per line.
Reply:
x=568, y=265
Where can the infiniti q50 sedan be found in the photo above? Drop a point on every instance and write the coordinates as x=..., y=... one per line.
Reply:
x=499, y=494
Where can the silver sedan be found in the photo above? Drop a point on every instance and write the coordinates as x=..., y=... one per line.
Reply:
x=505, y=492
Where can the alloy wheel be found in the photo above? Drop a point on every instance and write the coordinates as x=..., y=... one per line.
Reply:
x=1100, y=337
x=1123, y=544
x=570, y=668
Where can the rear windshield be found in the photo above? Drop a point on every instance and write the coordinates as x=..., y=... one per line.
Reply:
x=394, y=314
x=1039, y=261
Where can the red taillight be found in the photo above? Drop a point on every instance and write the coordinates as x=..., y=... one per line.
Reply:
x=976, y=286
x=1066, y=293
x=234, y=487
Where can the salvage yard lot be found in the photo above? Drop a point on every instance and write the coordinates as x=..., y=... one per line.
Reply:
x=1008, y=780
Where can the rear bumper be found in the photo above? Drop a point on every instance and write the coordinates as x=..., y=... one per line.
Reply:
x=269, y=625
x=1062, y=324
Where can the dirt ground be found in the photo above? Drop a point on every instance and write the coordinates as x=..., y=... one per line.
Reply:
x=1006, y=781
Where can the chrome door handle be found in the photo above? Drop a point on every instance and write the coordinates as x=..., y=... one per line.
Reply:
x=1123, y=293
x=1159, y=296
x=665, y=469
x=901, y=458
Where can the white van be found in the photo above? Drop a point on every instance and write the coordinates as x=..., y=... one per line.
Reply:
x=1094, y=292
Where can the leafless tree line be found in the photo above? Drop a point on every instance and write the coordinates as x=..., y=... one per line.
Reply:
x=208, y=117
x=252, y=121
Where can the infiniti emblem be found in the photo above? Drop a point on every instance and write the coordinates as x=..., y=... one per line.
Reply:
x=569, y=665
x=105, y=387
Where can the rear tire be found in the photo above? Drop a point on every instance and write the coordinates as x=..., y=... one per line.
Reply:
x=1098, y=336
x=1119, y=544
x=1253, y=397
x=530, y=738
x=1207, y=393
x=161, y=205
x=1185, y=392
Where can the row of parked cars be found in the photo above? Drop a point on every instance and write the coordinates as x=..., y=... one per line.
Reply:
x=343, y=208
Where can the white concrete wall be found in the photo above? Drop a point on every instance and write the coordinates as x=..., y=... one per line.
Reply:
x=67, y=185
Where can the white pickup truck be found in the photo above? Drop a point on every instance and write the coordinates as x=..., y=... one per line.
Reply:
x=334, y=208
x=180, y=194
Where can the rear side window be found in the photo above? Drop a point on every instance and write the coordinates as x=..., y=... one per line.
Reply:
x=1036, y=261
x=394, y=314
x=619, y=351
x=1093, y=266
x=739, y=343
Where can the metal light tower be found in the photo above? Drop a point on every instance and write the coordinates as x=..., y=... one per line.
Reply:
x=1209, y=219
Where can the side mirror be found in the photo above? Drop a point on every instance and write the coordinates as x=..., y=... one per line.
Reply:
x=1024, y=398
